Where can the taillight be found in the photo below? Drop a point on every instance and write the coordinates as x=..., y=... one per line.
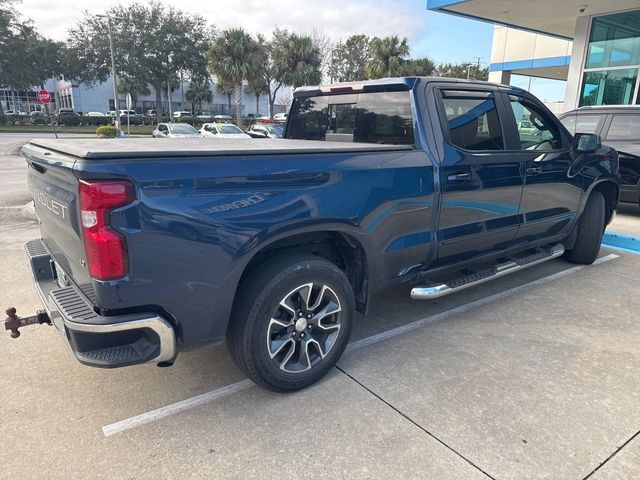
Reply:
x=106, y=249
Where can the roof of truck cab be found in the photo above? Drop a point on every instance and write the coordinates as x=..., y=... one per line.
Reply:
x=388, y=84
x=187, y=147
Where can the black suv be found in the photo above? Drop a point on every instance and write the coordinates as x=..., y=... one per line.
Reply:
x=619, y=127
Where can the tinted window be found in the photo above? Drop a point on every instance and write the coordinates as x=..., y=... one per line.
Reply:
x=536, y=130
x=472, y=122
x=624, y=127
x=581, y=123
x=376, y=117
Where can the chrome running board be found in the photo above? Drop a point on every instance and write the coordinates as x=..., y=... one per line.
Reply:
x=500, y=270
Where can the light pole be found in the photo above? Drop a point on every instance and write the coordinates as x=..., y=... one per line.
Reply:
x=113, y=68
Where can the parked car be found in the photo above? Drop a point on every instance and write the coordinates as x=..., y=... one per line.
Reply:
x=265, y=130
x=130, y=113
x=35, y=113
x=251, y=116
x=174, y=130
x=620, y=128
x=204, y=115
x=95, y=114
x=223, y=118
x=64, y=112
x=182, y=113
x=15, y=112
x=281, y=241
x=222, y=130
x=280, y=117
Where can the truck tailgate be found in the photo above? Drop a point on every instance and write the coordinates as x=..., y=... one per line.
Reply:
x=54, y=188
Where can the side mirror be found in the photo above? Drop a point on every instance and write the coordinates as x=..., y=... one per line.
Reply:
x=586, y=142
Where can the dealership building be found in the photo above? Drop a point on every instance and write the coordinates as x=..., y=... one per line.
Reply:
x=592, y=45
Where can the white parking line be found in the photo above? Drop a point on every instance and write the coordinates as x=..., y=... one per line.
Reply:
x=469, y=306
x=165, y=411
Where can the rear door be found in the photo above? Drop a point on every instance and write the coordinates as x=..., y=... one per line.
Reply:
x=623, y=134
x=551, y=196
x=481, y=182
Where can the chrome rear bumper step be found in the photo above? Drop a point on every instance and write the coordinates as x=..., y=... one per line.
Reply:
x=500, y=270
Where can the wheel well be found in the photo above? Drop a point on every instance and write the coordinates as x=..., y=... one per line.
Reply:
x=610, y=193
x=341, y=249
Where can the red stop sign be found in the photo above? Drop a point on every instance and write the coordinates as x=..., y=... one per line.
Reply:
x=44, y=96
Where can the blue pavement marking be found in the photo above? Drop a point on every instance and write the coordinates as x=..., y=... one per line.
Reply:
x=621, y=241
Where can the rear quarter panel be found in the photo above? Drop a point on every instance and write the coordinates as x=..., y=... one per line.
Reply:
x=197, y=222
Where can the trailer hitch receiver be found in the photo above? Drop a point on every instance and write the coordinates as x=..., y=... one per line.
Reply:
x=13, y=322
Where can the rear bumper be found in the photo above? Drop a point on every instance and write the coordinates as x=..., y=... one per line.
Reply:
x=98, y=340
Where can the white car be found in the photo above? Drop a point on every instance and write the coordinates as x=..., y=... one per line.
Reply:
x=13, y=112
x=223, y=118
x=174, y=130
x=130, y=113
x=222, y=130
x=95, y=114
x=280, y=117
x=181, y=113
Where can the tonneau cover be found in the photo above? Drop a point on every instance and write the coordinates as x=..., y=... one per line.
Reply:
x=186, y=147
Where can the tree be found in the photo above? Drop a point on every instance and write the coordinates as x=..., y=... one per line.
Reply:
x=133, y=86
x=257, y=87
x=420, y=67
x=268, y=67
x=27, y=58
x=350, y=59
x=299, y=59
x=326, y=45
x=159, y=41
x=231, y=60
x=199, y=91
x=227, y=89
x=388, y=57
x=462, y=70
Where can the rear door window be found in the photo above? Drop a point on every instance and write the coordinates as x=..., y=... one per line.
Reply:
x=372, y=117
x=581, y=123
x=472, y=121
x=624, y=127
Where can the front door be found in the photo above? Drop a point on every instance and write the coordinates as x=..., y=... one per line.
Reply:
x=551, y=194
x=481, y=182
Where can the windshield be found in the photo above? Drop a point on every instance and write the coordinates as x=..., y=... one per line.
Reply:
x=375, y=117
x=274, y=129
x=228, y=129
x=182, y=129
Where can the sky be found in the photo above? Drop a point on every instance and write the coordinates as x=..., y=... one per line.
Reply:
x=442, y=37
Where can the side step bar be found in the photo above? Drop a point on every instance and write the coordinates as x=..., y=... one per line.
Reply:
x=500, y=270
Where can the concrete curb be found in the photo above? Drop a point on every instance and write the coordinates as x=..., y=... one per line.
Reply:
x=621, y=241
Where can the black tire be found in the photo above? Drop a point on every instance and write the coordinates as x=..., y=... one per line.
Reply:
x=590, y=231
x=252, y=333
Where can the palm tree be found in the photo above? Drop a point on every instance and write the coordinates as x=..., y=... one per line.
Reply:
x=230, y=59
x=135, y=87
x=302, y=60
x=199, y=91
x=420, y=67
x=257, y=87
x=228, y=89
x=388, y=57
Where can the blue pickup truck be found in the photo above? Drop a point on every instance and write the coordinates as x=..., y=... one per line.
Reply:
x=152, y=247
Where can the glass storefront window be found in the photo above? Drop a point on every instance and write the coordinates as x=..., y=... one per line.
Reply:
x=614, y=40
x=608, y=87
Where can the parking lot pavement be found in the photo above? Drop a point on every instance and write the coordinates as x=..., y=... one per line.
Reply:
x=627, y=220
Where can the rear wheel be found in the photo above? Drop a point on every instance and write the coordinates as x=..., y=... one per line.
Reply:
x=292, y=321
x=590, y=230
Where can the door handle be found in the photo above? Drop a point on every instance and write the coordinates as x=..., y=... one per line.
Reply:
x=459, y=177
x=534, y=170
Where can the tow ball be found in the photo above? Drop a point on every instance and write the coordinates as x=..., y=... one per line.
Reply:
x=13, y=322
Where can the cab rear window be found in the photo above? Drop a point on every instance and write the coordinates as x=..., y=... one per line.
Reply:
x=373, y=117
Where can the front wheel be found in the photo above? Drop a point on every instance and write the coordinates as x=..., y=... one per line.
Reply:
x=590, y=229
x=292, y=320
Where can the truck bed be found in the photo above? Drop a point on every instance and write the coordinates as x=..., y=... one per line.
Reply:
x=185, y=147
